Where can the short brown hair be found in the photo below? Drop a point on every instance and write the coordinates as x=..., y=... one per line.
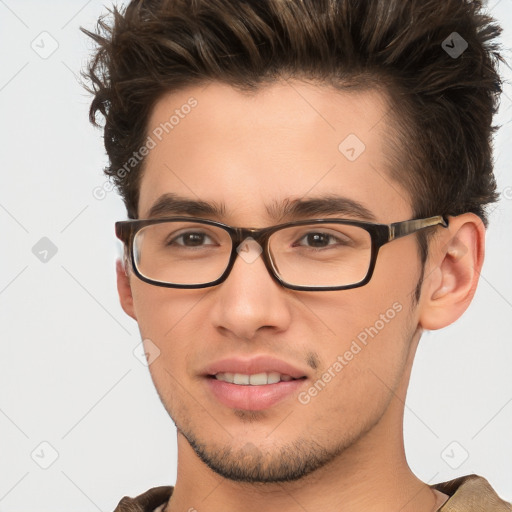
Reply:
x=442, y=106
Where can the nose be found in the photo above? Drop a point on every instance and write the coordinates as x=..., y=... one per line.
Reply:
x=249, y=300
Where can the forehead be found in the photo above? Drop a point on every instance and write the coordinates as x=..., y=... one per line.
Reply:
x=250, y=151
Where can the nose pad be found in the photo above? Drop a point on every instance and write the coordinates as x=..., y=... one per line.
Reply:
x=249, y=250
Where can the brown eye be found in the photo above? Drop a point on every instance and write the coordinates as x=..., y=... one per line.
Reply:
x=192, y=239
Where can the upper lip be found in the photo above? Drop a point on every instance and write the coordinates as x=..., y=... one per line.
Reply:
x=253, y=365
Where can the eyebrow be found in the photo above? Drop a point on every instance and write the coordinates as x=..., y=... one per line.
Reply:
x=318, y=207
x=172, y=204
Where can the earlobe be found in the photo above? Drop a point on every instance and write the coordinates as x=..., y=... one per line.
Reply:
x=124, y=290
x=456, y=261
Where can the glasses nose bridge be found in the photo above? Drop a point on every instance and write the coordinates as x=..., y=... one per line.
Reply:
x=260, y=236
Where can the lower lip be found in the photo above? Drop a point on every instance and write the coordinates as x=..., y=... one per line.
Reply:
x=252, y=398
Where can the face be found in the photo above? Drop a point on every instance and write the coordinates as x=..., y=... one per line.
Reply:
x=348, y=351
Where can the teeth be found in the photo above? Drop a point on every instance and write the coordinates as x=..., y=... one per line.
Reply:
x=240, y=378
x=257, y=379
x=273, y=378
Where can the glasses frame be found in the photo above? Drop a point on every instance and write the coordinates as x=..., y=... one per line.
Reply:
x=380, y=234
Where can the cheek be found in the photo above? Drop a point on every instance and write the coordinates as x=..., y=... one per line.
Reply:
x=165, y=316
x=397, y=271
x=168, y=318
x=366, y=342
x=360, y=372
x=160, y=310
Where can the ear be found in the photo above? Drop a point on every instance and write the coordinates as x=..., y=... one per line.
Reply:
x=124, y=289
x=455, y=261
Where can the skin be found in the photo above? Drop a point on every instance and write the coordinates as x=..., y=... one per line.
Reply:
x=245, y=151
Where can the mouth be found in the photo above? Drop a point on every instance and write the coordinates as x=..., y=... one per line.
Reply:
x=253, y=384
x=256, y=379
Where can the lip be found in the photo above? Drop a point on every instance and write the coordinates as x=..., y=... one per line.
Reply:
x=253, y=398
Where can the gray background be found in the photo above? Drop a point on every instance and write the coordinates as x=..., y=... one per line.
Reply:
x=69, y=377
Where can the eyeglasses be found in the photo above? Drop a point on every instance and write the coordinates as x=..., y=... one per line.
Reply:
x=309, y=255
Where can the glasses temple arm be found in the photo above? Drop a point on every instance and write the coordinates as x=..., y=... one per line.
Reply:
x=400, y=229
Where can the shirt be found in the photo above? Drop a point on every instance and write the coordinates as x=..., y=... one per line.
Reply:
x=470, y=493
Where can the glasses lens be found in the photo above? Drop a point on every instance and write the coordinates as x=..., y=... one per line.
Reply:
x=321, y=255
x=187, y=253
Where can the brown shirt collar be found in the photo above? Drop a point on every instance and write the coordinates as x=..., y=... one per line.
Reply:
x=470, y=493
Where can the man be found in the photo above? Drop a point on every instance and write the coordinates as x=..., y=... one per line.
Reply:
x=306, y=182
